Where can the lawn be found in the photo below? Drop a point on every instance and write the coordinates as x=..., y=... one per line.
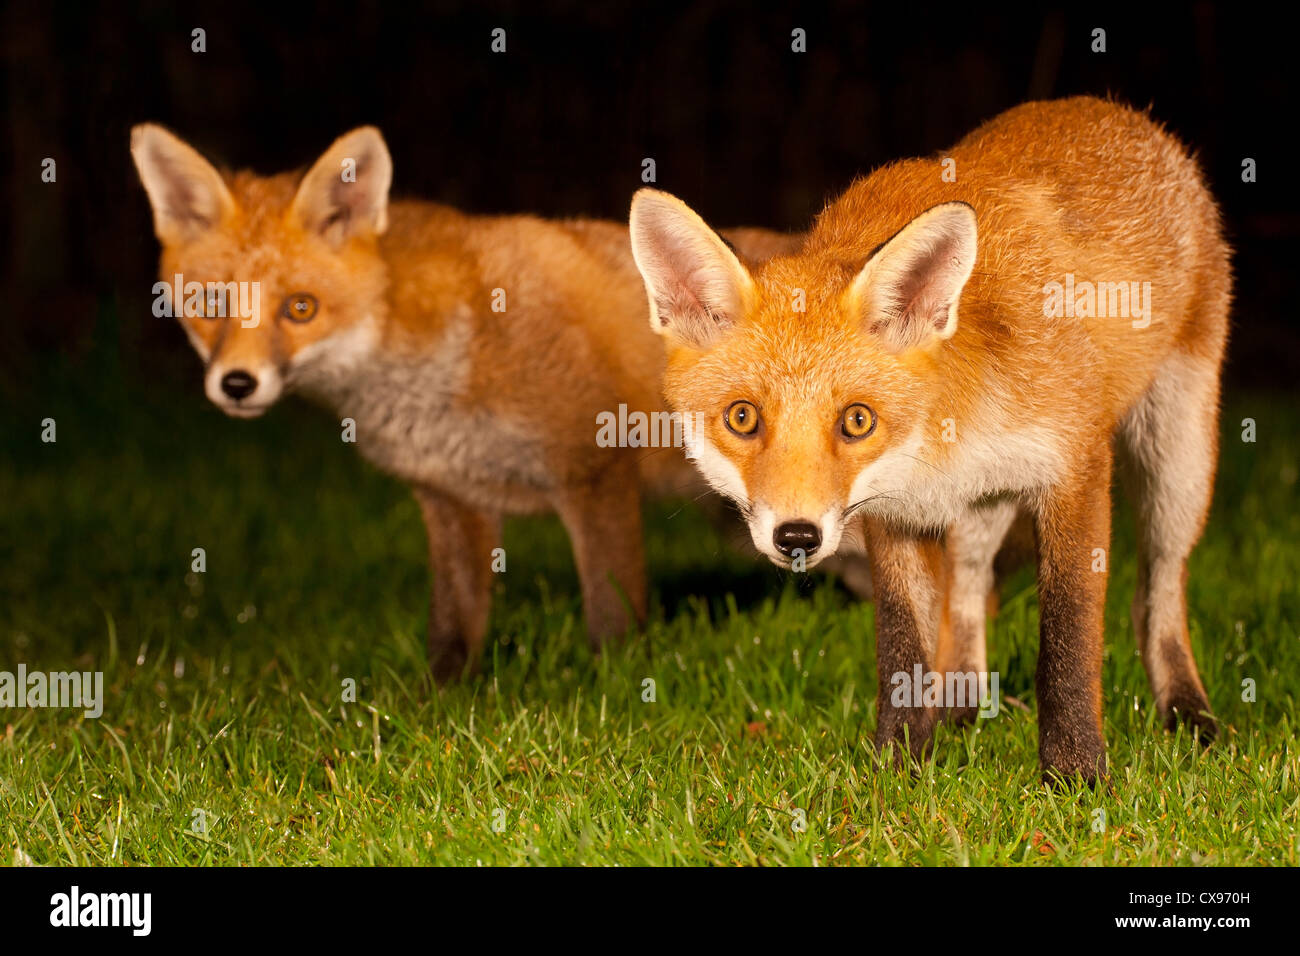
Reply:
x=225, y=738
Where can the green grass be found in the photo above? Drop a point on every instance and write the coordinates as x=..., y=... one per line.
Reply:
x=223, y=689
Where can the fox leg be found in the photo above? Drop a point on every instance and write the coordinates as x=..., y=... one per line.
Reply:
x=461, y=540
x=908, y=614
x=603, y=518
x=1072, y=523
x=1171, y=440
x=971, y=544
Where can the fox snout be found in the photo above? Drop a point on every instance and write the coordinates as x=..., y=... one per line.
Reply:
x=241, y=390
x=238, y=384
x=793, y=536
x=794, y=540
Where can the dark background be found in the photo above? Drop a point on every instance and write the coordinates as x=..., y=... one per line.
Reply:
x=741, y=127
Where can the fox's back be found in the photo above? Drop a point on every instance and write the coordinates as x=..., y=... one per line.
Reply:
x=535, y=321
x=1069, y=191
x=547, y=321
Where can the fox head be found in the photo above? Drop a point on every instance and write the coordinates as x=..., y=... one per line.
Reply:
x=280, y=277
x=810, y=377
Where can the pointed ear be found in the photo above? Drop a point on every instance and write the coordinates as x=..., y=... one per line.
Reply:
x=907, y=292
x=188, y=195
x=346, y=193
x=698, y=289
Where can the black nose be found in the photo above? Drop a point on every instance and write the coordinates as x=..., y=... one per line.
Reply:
x=238, y=384
x=797, y=534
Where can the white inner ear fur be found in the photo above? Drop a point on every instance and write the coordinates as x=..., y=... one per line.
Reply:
x=696, y=285
x=907, y=293
x=187, y=194
x=346, y=192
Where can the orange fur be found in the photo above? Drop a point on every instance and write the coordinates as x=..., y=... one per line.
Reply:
x=484, y=412
x=924, y=300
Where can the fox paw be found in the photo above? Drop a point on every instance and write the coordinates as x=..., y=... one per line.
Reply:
x=1067, y=762
x=1189, y=707
x=908, y=735
x=447, y=662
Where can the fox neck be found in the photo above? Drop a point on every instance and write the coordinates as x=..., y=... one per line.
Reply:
x=929, y=480
x=329, y=368
x=412, y=420
x=364, y=374
x=413, y=335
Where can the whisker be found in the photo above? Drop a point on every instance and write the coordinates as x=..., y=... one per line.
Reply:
x=928, y=465
x=887, y=495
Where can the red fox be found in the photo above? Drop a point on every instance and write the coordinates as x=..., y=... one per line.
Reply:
x=959, y=338
x=472, y=354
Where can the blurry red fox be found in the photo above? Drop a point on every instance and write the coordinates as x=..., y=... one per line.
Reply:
x=943, y=352
x=473, y=354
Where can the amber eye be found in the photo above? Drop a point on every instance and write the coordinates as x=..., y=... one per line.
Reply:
x=300, y=307
x=742, y=418
x=859, y=421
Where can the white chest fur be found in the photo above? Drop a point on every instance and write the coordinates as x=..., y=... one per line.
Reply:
x=928, y=483
x=413, y=420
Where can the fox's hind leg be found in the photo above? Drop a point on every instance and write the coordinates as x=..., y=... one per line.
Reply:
x=603, y=518
x=1171, y=441
x=461, y=540
x=970, y=545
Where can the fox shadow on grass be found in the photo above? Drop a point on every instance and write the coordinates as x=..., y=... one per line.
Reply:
x=725, y=568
